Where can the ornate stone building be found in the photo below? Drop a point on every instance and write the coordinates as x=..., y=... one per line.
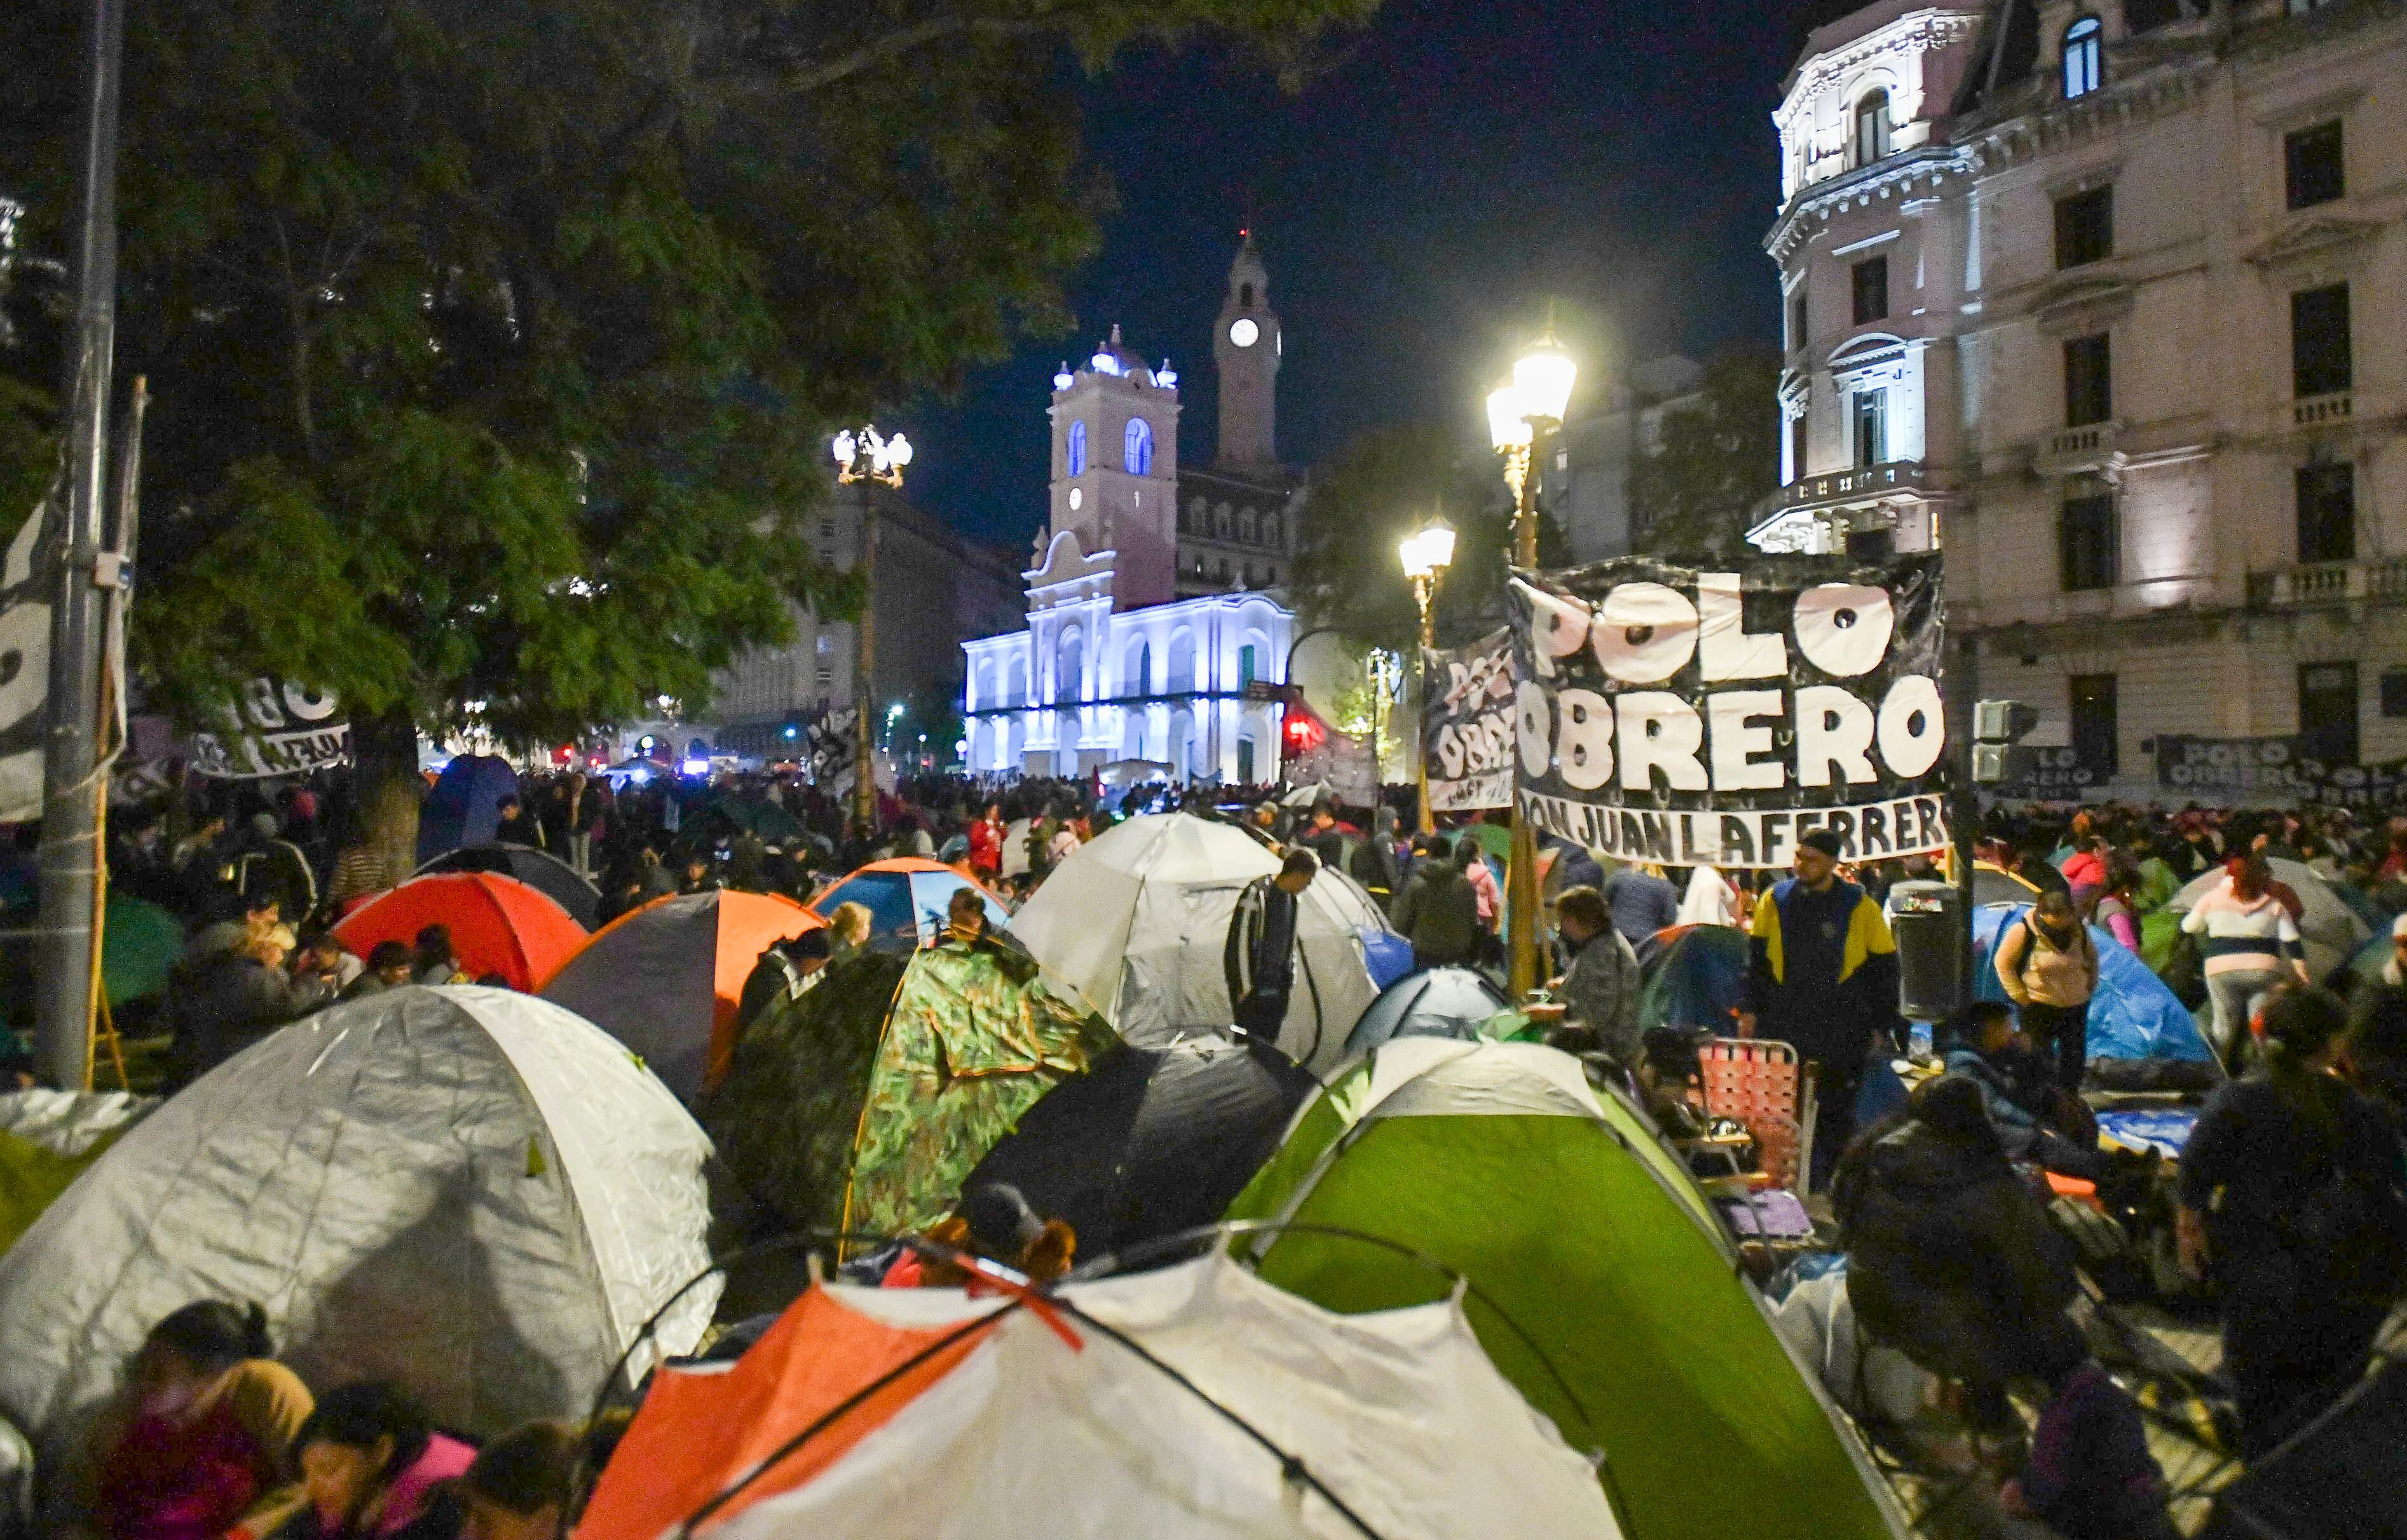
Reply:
x=1146, y=637
x=2106, y=301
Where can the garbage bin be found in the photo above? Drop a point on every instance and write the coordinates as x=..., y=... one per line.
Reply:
x=1928, y=921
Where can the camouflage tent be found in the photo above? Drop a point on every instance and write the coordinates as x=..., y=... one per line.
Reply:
x=865, y=1102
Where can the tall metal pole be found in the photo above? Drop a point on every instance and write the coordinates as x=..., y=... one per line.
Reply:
x=864, y=690
x=1522, y=875
x=1424, y=594
x=1963, y=797
x=64, y=975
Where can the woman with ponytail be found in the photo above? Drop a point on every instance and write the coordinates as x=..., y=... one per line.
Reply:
x=2293, y=1196
x=2249, y=941
x=195, y=1444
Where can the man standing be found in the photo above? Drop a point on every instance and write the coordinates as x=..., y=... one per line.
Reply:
x=1259, y=957
x=1822, y=977
x=1642, y=902
x=1437, y=911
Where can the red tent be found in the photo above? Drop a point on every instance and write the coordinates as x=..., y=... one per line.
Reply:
x=498, y=923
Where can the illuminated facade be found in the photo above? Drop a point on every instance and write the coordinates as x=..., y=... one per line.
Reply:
x=2104, y=301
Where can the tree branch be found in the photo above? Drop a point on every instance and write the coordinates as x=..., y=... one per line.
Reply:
x=894, y=45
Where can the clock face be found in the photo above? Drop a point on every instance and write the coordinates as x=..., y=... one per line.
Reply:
x=1243, y=332
x=1077, y=495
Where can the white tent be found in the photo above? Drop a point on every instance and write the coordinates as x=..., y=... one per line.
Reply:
x=1137, y=918
x=1399, y=1414
x=2332, y=930
x=475, y=1192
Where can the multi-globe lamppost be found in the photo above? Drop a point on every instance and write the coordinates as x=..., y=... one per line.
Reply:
x=1523, y=414
x=1426, y=553
x=867, y=456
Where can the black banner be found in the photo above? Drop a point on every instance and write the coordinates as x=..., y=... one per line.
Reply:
x=2273, y=770
x=1467, y=726
x=293, y=728
x=2041, y=773
x=1713, y=718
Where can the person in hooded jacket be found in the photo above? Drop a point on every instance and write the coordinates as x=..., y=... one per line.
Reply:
x=1950, y=1257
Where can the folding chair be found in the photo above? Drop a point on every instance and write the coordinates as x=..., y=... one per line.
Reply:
x=1763, y=1085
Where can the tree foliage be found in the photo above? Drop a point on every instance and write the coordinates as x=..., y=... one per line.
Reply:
x=1693, y=495
x=491, y=342
x=1386, y=484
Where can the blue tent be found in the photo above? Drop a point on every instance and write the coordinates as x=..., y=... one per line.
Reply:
x=1433, y=1003
x=465, y=808
x=2133, y=1015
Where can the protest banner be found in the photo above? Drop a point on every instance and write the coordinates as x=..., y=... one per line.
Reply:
x=2273, y=770
x=1670, y=715
x=1467, y=726
x=293, y=728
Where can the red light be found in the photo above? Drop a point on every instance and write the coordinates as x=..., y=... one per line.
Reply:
x=1304, y=733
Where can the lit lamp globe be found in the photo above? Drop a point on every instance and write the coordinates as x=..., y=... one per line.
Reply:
x=844, y=448
x=1543, y=377
x=898, y=449
x=1509, y=421
x=1427, y=551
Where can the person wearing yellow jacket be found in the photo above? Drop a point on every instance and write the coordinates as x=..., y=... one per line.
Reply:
x=1822, y=977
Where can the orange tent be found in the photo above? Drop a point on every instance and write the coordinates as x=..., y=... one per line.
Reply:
x=498, y=923
x=666, y=978
x=700, y=1432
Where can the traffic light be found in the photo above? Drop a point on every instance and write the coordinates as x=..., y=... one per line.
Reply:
x=1998, y=725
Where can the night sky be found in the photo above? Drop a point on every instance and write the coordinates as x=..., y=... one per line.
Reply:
x=1416, y=207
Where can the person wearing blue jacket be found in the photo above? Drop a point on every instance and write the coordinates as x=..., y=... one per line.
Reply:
x=1822, y=977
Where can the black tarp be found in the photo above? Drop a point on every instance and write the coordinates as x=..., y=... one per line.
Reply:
x=555, y=879
x=1151, y=1141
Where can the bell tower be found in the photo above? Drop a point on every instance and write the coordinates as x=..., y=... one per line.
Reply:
x=1245, y=349
x=1116, y=467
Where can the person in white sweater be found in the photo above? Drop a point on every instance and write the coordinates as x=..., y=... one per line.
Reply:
x=2248, y=942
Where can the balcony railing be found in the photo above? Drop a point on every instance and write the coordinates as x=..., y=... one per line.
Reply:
x=1849, y=486
x=2329, y=583
x=2069, y=451
x=2317, y=411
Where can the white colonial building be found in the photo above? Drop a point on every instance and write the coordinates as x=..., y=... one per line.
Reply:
x=2107, y=302
x=1113, y=663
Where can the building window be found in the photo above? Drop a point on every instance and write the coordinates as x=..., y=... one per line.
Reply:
x=2311, y=165
x=2088, y=381
x=2090, y=700
x=1077, y=451
x=1797, y=320
x=826, y=675
x=2085, y=227
x=1797, y=446
x=1245, y=666
x=1244, y=296
x=826, y=645
x=1272, y=576
x=2088, y=543
x=1270, y=530
x=1871, y=290
x=2083, y=69
x=1221, y=521
x=2327, y=712
x=2328, y=512
x=1871, y=128
x=1136, y=447
x=2320, y=362
x=1872, y=426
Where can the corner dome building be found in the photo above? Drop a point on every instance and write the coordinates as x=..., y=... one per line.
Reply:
x=1153, y=603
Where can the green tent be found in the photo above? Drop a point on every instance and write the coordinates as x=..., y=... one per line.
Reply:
x=865, y=1102
x=1602, y=1285
x=139, y=943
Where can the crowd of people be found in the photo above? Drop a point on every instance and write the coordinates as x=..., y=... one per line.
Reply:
x=2288, y=1196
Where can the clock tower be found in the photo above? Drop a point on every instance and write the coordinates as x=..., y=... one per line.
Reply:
x=1245, y=348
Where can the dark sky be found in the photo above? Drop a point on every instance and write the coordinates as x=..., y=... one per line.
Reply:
x=1416, y=207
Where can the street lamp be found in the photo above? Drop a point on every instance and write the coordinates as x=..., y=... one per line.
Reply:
x=1522, y=414
x=1427, y=552
x=867, y=455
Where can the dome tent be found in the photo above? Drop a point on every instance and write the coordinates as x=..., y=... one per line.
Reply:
x=2133, y=1016
x=498, y=924
x=1602, y=1285
x=666, y=978
x=906, y=897
x=465, y=804
x=863, y=1104
x=466, y=1189
x=563, y=884
x=1136, y=920
x=1444, y=1002
x=1030, y=1426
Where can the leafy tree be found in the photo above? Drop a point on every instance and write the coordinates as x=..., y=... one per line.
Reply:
x=493, y=342
x=1386, y=484
x=1693, y=495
